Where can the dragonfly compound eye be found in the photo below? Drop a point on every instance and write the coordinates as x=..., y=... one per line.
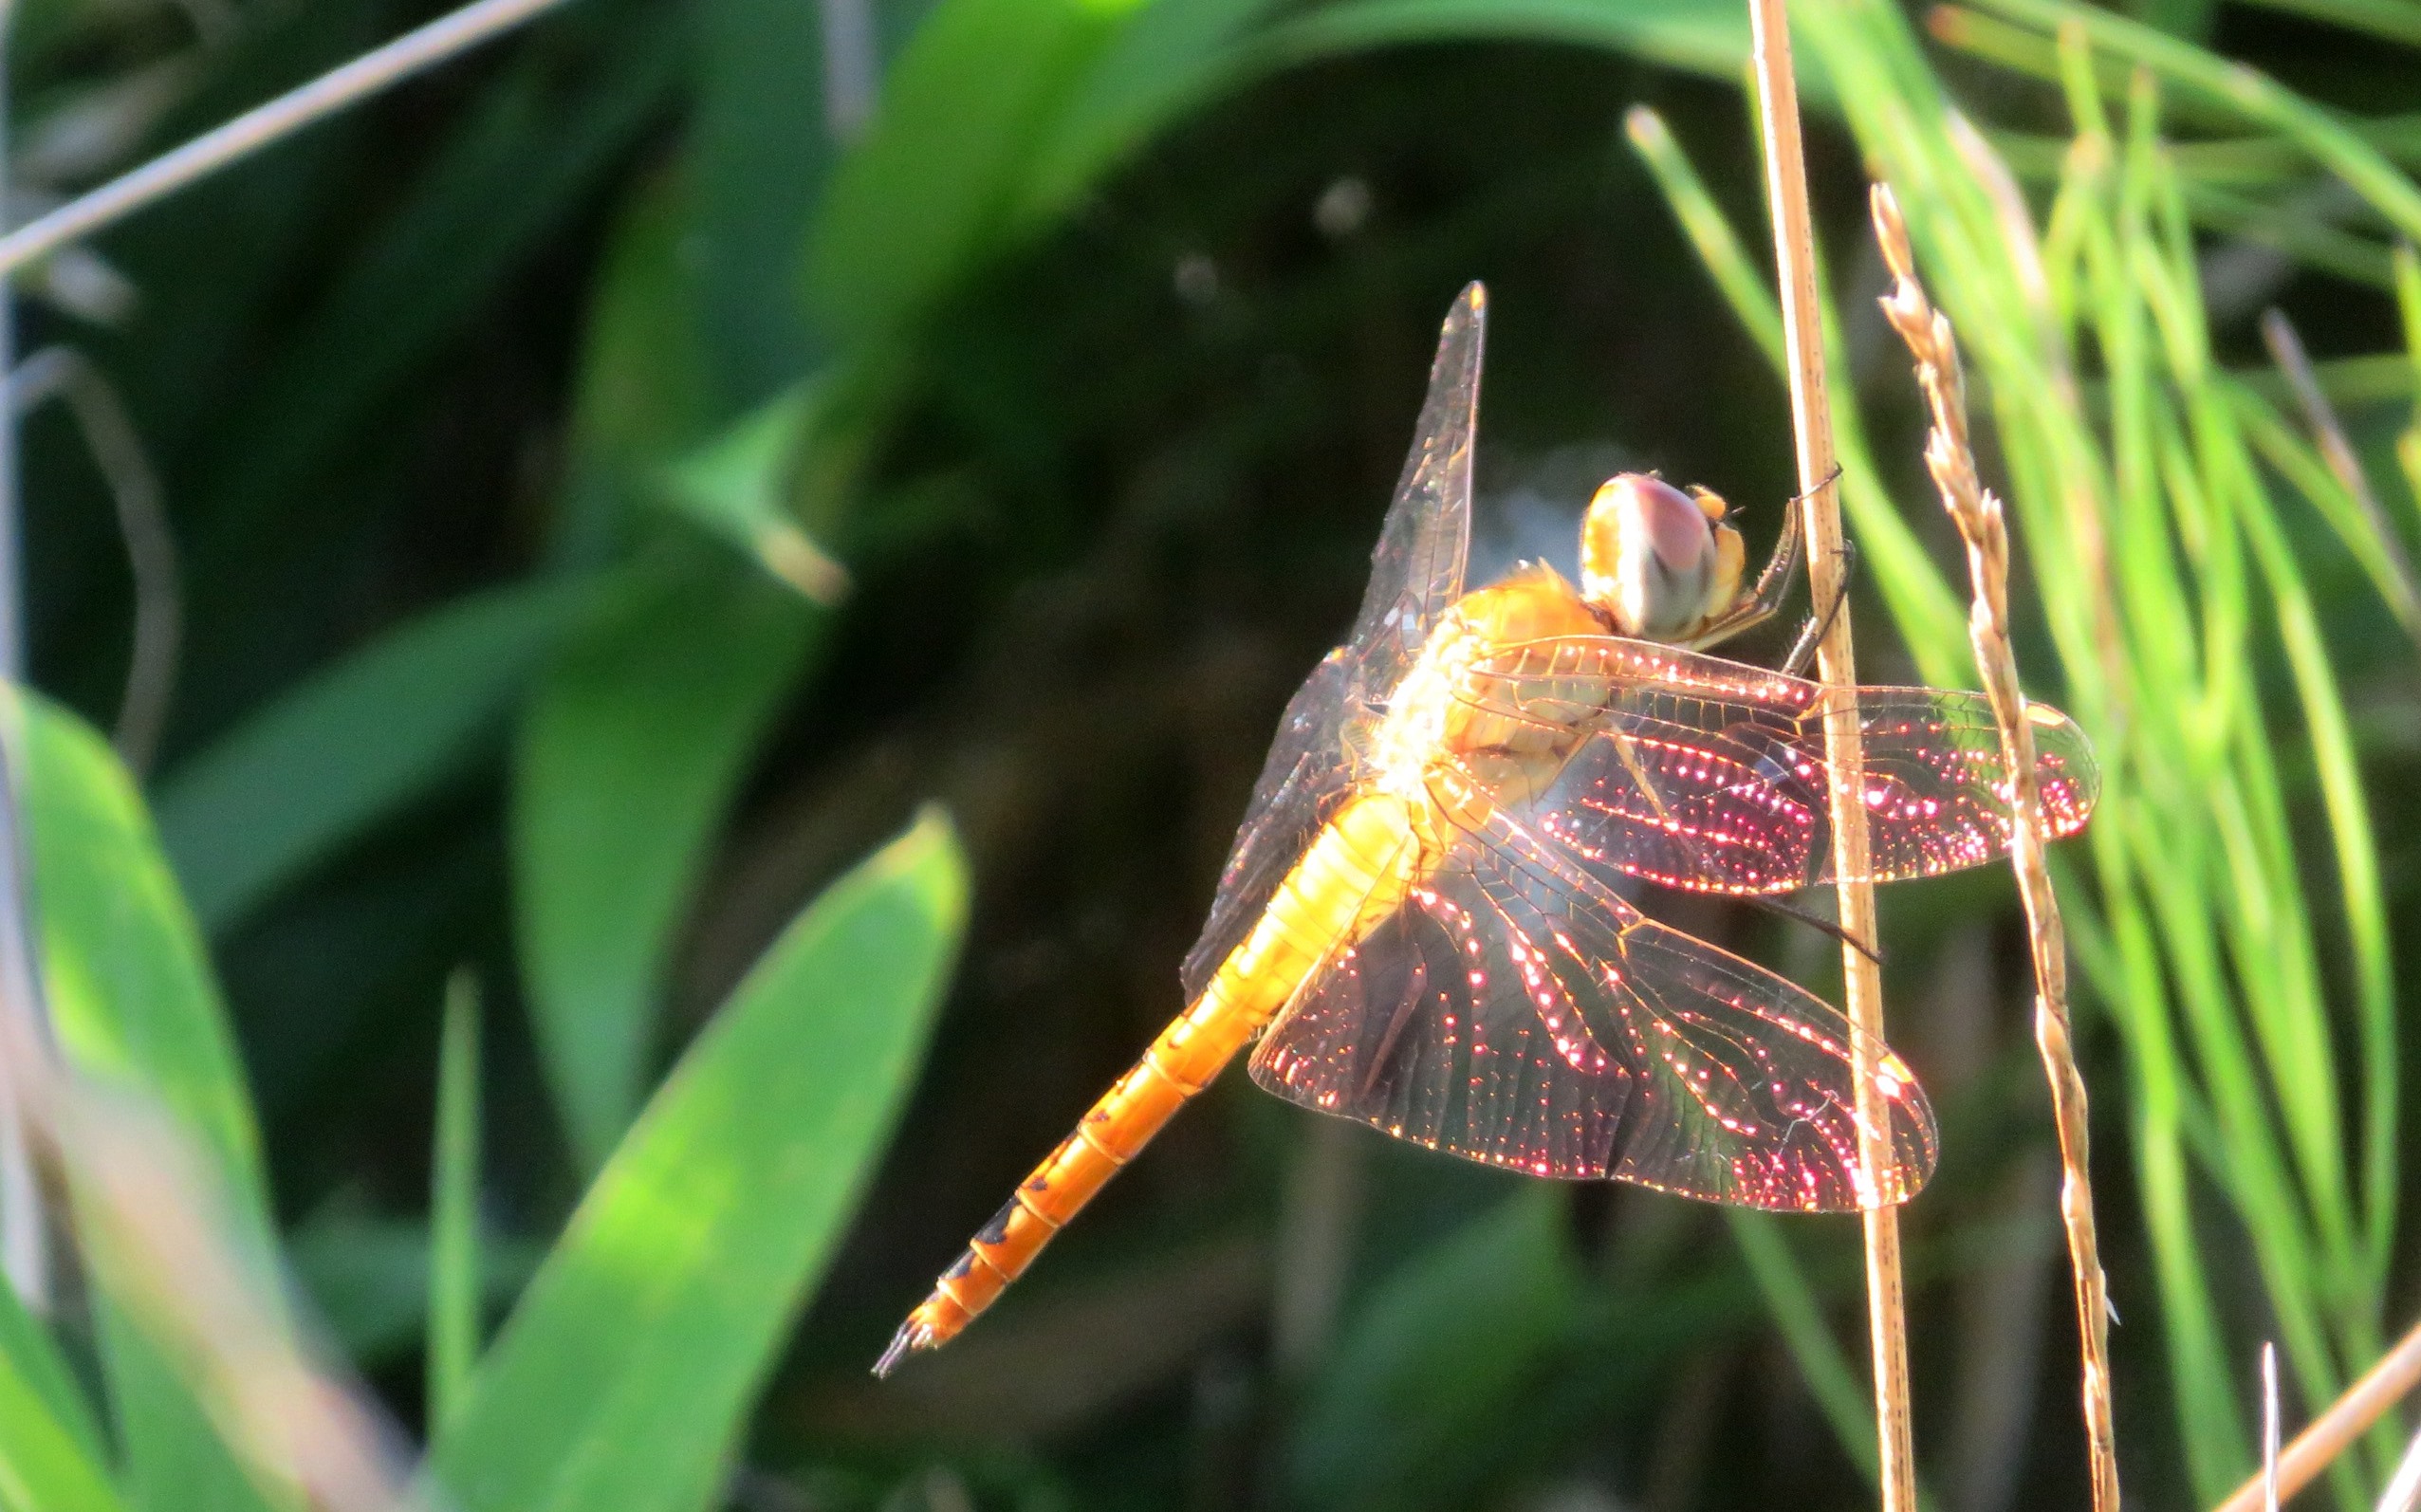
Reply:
x=1652, y=558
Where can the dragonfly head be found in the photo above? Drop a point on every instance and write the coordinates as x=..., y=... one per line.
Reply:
x=1656, y=561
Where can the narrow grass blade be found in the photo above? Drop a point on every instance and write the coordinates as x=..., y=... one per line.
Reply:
x=1447, y=1336
x=134, y=1005
x=1822, y=1364
x=454, y=1283
x=289, y=786
x=626, y=760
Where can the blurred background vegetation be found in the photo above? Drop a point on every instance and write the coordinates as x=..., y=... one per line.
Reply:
x=619, y=480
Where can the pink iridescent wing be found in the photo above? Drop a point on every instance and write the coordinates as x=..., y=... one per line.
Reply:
x=1704, y=774
x=1517, y=1012
x=1417, y=573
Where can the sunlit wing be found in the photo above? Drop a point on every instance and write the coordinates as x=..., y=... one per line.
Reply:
x=1416, y=569
x=1709, y=774
x=1515, y=1011
x=1417, y=573
x=1307, y=776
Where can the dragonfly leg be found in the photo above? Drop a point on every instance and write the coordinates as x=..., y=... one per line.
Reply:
x=1814, y=921
x=1812, y=633
x=1763, y=600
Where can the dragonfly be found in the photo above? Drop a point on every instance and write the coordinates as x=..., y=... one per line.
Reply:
x=1423, y=919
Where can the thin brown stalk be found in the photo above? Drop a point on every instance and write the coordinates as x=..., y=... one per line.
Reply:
x=2269, y=1428
x=117, y=450
x=338, y=90
x=2336, y=1431
x=1977, y=514
x=2336, y=450
x=1836, y=665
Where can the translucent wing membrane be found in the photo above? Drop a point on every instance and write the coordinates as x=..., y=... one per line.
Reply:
x=1416, y=570
x=1305, y=779
x=1417, y=573
x=1709, y=774
x=1514, y=1011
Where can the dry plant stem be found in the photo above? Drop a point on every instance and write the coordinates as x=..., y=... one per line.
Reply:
x=2328, y=436
x=335, y=90
x=117, y=450
x=1812, y=418
x=2334, y=1432
x=2269, y=1428
x=24, y=1250
x=1978, y=516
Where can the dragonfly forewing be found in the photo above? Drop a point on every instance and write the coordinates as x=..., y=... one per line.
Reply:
x=1417, y=573
x=1707, y=775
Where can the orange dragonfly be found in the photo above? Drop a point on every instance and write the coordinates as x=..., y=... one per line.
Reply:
x=1420, y=917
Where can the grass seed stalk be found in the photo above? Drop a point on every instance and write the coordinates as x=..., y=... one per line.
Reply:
x=1977, y=514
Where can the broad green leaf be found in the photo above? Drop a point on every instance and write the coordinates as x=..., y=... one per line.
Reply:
x=621, y=1382
x=645, y=392
x=919, y=202
x=51, y=1451
x=1434, y=1352
x=132, y=996
x=628, y=758
x=757, y=152
x=133, y=1006
x=289, y=786
x=1699, y=36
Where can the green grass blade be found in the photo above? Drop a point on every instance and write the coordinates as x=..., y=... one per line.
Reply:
x=622, y=1381
x=455, y=1288
x=46, y=1465
x=928, y=193
x=2395, y=20
x=2408, y=299
x=1822, y=1365
x=2255, y=95
x=368, y=1279
x=1445, y=1339
x=1921, y=602
x=291, y=785
x=627, y=757
x=132, y=996
x=759, y=144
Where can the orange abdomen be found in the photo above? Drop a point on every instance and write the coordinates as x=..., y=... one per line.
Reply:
x=1350, y=877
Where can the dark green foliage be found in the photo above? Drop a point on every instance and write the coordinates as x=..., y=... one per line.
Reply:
x=615, y=496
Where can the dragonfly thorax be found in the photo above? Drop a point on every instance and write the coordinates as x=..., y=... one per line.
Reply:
x=1660, y=563
x=1432, y=722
